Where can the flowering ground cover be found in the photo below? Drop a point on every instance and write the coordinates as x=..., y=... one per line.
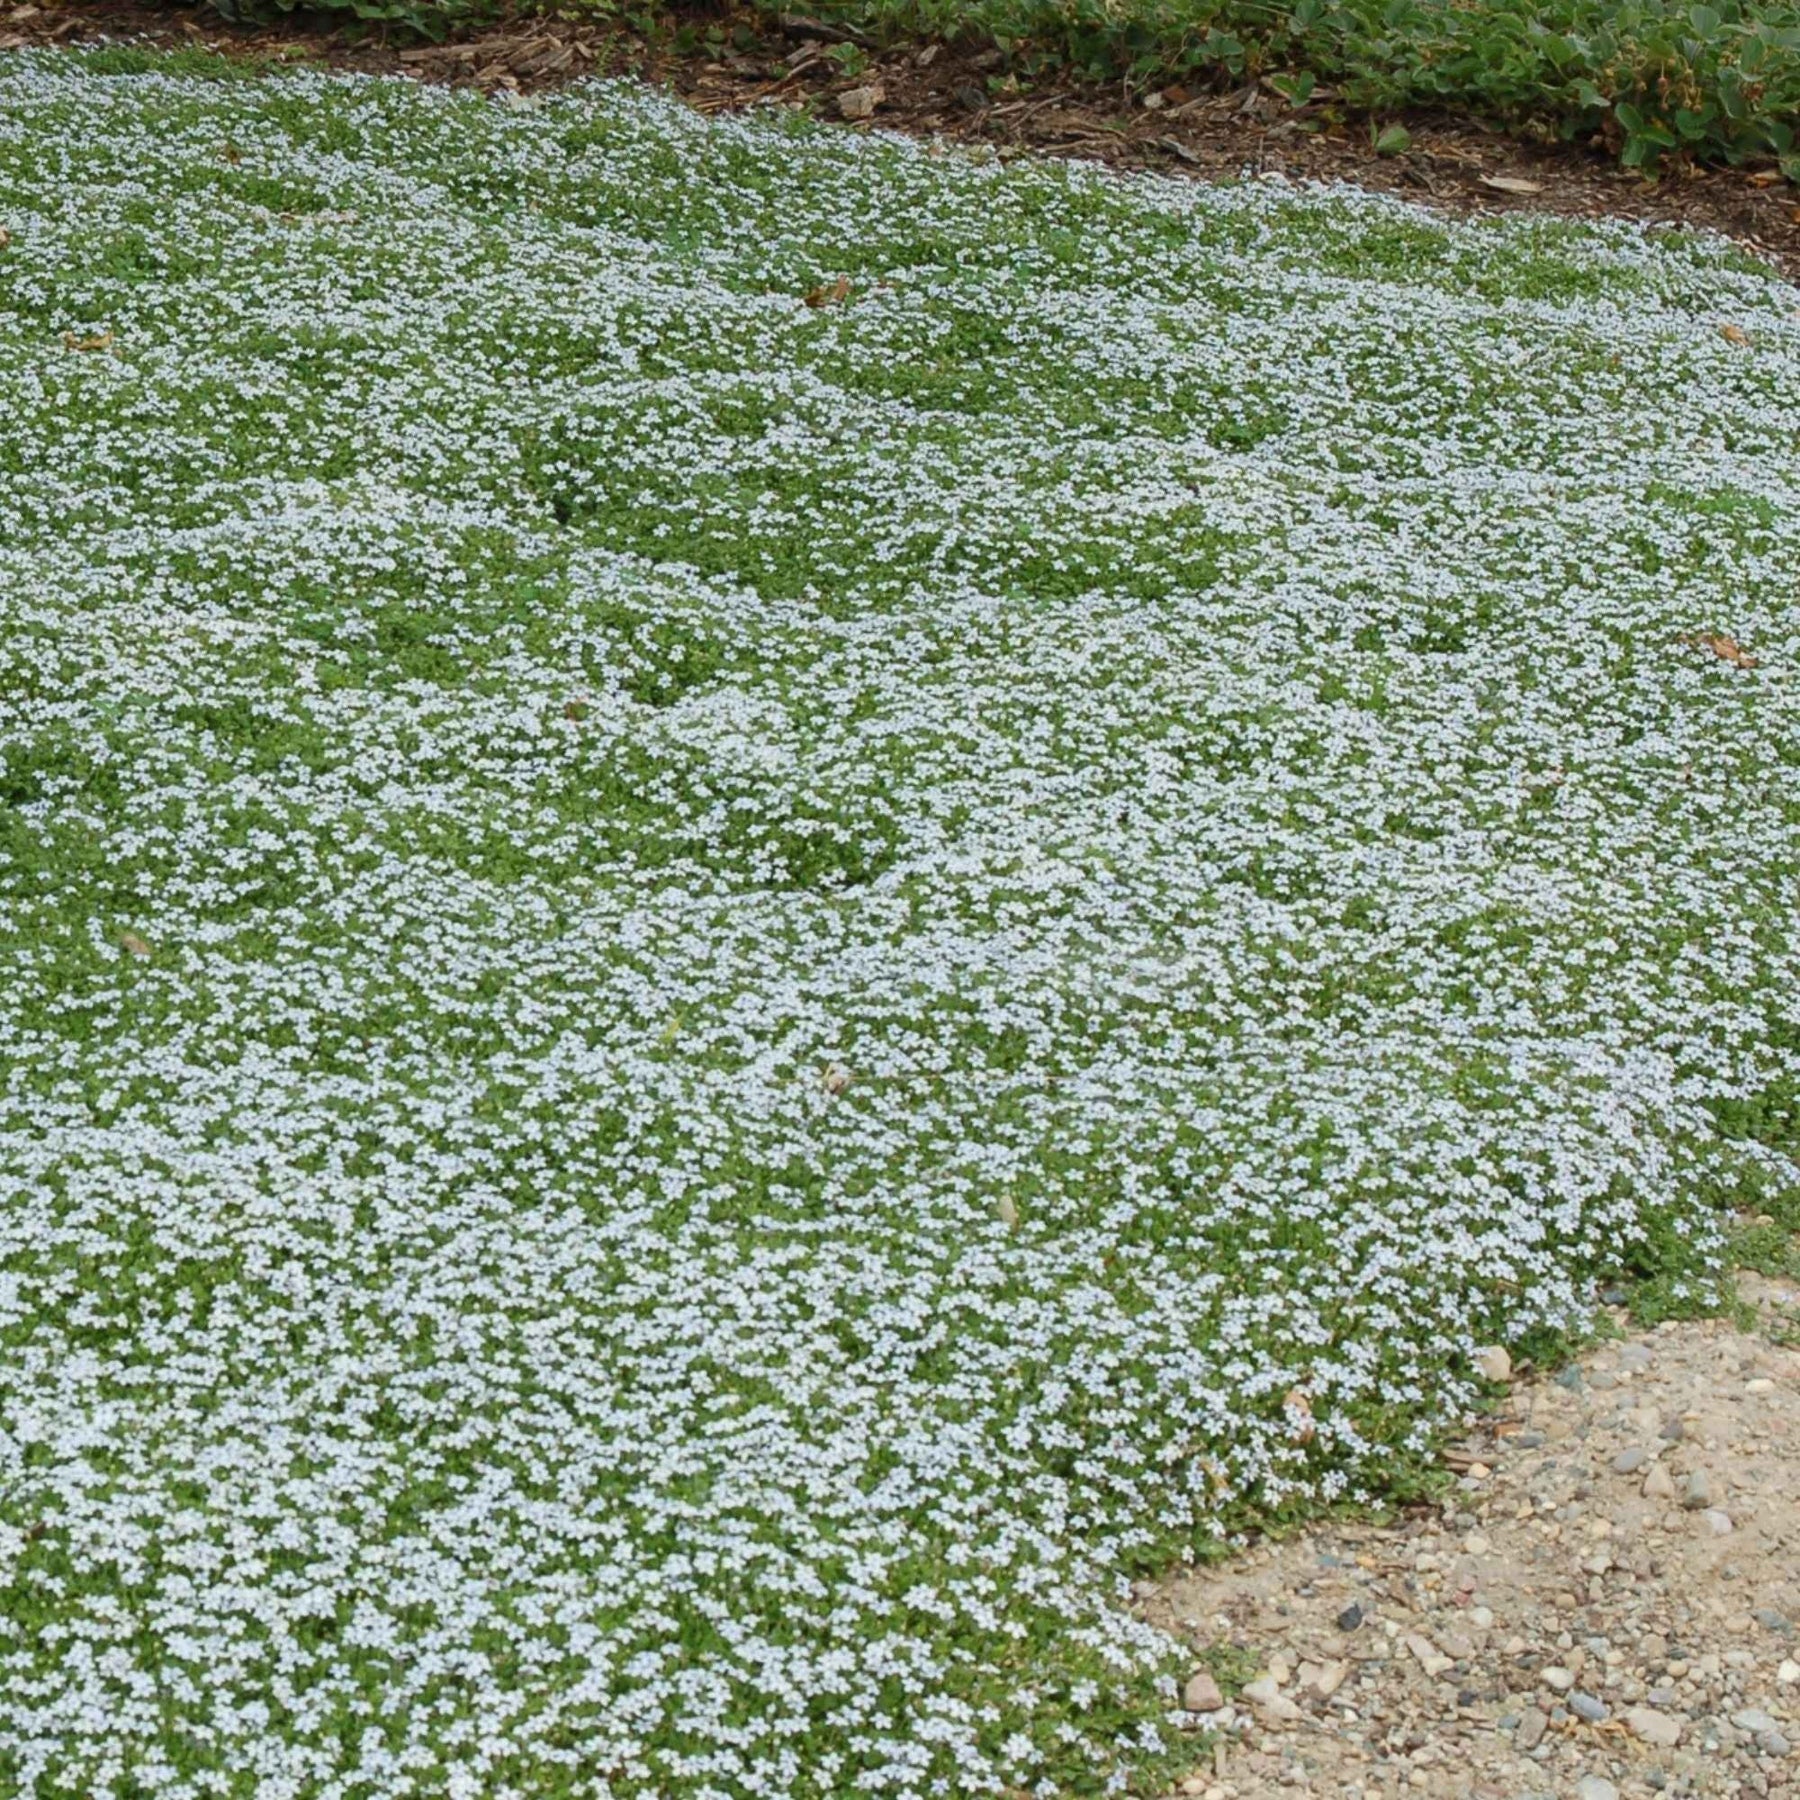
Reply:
x=767, y=901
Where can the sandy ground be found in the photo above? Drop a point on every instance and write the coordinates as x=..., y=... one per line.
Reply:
x=1606, y=1607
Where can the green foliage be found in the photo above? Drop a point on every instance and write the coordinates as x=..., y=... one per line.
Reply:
x=1653, y=80
x=427, y=18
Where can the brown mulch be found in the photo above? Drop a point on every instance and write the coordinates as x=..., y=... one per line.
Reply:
x=964, y=95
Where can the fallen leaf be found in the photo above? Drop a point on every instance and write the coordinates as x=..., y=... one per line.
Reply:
x=830, y=293
x=1734, y=334
x=5, y=237
x=1512, y=184
x=1765, y=177
x=836, y=1079
x=130, y=941
x=1008, y=1211
x=575, y=709
x=99, y=340
x=1298, y=1403
x=1726, y=649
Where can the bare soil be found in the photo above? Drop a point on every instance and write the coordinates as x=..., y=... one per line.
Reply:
x=1606, y=1606
x=964, y=94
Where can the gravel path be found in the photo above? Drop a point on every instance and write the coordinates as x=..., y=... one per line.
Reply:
x=1607, y=1606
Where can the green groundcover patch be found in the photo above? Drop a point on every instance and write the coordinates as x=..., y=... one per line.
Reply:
x=709, y=1005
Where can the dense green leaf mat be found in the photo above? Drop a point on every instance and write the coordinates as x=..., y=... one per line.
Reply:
x=708, y=1005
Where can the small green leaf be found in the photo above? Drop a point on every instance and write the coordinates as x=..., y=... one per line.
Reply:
x=1393, y=140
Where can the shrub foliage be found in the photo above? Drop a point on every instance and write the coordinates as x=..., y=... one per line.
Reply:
x=1655, y=80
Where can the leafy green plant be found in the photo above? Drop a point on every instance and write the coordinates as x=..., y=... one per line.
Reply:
x=1652, y=81
x=428, y=18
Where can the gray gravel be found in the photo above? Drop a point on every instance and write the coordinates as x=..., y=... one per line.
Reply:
x=1603, y=1605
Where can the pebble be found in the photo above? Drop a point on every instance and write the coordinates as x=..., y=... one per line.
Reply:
x=1493, y=1363
x=1629, y=1461
x=1789, y=1672
x=1350, y=1618
x=1323, y=1679
x=1430, y=1658
x=1653, y=1727
x=1698, y=1494
x=1753, y=1719
x=1718, y=1522
x=1531, y=1728
x=1558, y=1679
x=1595, y=1787
x=1659, y=1484
x=1773, y=1743
x=861, y=102
x=1270, y=1701
x=1202, y=1694
x=1586, y=1706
